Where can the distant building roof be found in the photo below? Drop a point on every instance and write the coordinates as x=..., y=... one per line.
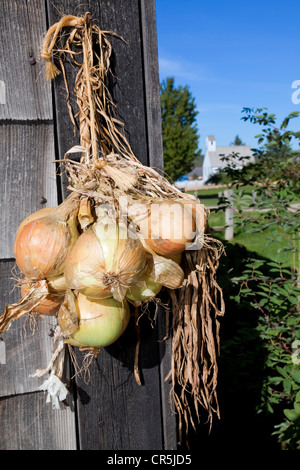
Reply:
x=217, y=155
x=196, y=171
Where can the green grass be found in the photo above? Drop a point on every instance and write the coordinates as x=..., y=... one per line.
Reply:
x=213, y=192
x=267, y=243
x=209, y=202
x=210, y=197
x=216, y=219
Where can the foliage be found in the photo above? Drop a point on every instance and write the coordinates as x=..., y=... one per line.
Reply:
x=237, y=141
x=179, y=130
x=266, y=290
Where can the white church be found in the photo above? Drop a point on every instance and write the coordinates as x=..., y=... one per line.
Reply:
x=213, y=162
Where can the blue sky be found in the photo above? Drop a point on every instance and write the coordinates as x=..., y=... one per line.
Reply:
x=231, y=54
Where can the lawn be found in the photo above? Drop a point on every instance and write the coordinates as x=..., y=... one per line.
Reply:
x=210, y=196
x=265, y=243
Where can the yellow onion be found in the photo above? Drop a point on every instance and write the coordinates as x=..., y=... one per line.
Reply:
x=145, y=289
x=164, y=271
x=105, y=261
x=101, y=322
x=57, y=285
x=51, y=304
x=169, y=227
x=41, y=245
x=176, y=257
x=35, y=215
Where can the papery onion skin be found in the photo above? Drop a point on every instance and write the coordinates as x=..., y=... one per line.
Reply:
x=41, y=245
x=164, y=271
x=169, y=228
x=101, y=322
x=145, y=289
x=177, y=257
x=41, y=248
x=82, y=266
x=45, y=211
x=48, y=306
x=57, y=285
x=104, y=261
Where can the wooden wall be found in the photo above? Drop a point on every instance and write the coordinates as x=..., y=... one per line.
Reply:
x=112, y=411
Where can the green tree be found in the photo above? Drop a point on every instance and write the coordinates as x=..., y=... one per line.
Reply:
x=237, y=141
x=179, y=129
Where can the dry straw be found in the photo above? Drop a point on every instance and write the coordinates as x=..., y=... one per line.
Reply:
x=107, y=171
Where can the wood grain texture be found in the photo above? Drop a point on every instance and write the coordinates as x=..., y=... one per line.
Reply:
x=170, y=437
x=22, y=28
x=28, y=423
x=28, y=345
x=113, y=411
x=151, y=78
x=155, y=149
x=28, y=174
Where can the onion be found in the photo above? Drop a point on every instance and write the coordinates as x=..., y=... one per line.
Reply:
x=57, y=285
x=105, y=261
x=164, y=271
x=35, y=215
x=51, y=304
x=145, y=289
x=48, y=306
x=169, y=227
x=101, y=322
x=42, y=244
x=176, y=257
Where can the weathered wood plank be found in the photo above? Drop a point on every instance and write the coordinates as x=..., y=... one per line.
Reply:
x=28, y=174
x=169, y=423
x=113, y=411
x=155, y=146
x=28, y=345
x=28, y=423
x=22, y=28
x=151, y=77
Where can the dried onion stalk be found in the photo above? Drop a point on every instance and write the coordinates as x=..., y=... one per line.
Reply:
x=52, y=302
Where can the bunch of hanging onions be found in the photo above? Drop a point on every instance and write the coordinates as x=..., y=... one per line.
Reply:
x=95, y=269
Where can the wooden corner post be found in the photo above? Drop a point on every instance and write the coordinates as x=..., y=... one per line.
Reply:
x=114, y=411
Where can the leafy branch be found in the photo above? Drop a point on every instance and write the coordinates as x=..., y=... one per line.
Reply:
x=264, y=286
